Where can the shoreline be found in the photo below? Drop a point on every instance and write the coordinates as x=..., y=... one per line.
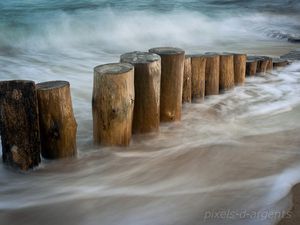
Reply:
x=293, y=217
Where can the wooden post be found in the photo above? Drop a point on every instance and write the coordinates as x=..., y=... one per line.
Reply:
x=270, y=64
x=112, y=103
x=226, y=71
x=279, y=63
x=172, y=66
x=251, y=66
x=57, y=123
x=19, y=124
x=239, y=68
x=198, y=64
x=262, y=63
x=212, y=74
x=147, y=76
x=187, y=80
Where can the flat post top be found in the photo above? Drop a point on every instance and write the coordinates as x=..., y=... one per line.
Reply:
x=139, y=57
x=52, y=85
x=113, y=68
x=167, y=51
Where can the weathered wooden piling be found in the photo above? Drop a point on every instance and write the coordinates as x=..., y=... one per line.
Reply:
x=57, y=122
x=198, y=64
x=239, y=68
x=251, y=66
x=212, y=74
x=147, y=76
x=19, y=124
x=112, y=104
x=187, y=80
x=270, y=64
x=279, y=63
x=172, y=66
x=226, y=71
x=262, y=63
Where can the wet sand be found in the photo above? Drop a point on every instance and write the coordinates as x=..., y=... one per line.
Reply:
x=293, y=217
x=193, y=186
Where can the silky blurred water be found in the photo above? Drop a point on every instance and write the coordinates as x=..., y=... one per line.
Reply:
x=237, y=152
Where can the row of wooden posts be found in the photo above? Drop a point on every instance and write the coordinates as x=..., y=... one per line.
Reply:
x=132, y=96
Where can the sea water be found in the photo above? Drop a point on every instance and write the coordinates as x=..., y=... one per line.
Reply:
x=231, y=160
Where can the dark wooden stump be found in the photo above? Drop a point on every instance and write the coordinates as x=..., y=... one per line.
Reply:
x=187, y=80
x=147, y=76
x=57, y=122
x=19, y=124
x=112, y=103
x=172, y=66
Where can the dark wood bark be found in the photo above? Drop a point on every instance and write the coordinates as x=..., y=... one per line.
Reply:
x=198, y=64
x=212, y=74
x=57, y=122
x=147, y=76
x=239, y=68
x=226, y=72
x=112, y=103
x=19, y=124
x=172, y=66
x=187, y=81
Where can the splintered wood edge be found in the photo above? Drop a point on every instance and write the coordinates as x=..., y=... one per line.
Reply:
x=139, y=57
x=113, y=68
x=49, y=85
x=167, y=51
